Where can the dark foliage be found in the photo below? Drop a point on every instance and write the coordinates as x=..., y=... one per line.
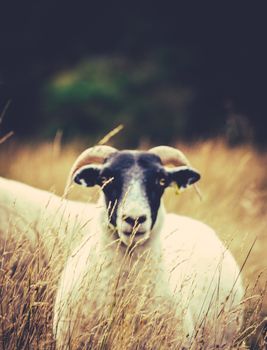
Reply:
x=217, y=52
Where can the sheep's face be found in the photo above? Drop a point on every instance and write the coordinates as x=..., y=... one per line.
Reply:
x=133, y=183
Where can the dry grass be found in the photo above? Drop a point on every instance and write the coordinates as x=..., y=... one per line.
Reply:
x=234, y=189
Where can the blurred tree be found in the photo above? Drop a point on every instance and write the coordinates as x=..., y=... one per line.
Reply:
x=102, y=92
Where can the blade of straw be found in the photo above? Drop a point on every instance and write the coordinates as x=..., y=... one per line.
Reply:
x=198, y=192
x=112, y=133
x=7, y=136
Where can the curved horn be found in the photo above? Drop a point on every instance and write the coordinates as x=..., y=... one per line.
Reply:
x=175, y=157
x=170, y=155
x=92, y=155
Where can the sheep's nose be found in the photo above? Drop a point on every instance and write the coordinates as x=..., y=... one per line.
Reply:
x=135, y=221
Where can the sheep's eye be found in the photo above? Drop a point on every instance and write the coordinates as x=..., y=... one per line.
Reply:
x=162, y=181
x=106, y=180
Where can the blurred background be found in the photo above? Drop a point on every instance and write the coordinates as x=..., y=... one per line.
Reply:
x=167, y=71
x=189, y=74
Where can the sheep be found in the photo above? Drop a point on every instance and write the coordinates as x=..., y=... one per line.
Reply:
x=132, y=243
x=41, y=215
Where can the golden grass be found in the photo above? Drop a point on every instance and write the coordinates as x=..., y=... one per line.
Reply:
x=234, y=191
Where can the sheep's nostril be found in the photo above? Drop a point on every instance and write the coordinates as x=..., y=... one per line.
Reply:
x=135, y=221
x=141, y=219
x=130, y=221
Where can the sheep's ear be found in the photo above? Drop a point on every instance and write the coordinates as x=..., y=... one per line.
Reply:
x=87, y=175
x=183, y=176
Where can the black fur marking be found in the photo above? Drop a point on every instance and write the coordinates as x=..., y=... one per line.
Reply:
x=184, y=177
x=116, y=167
x=124, y=167
x=88, y=175
x=153, y=172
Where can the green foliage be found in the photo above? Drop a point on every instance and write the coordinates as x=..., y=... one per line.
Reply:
x=100, y=93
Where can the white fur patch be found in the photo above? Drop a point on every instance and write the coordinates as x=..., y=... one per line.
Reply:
x=83, y=182
x=134, y=204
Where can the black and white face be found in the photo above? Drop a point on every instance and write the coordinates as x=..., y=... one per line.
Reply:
x=133, y=183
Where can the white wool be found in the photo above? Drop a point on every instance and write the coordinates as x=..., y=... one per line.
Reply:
x=185, y=261
x=37, y=212
x=189, y=265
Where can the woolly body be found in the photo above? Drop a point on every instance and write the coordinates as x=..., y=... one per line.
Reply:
x=128, y=239
x=183, y=262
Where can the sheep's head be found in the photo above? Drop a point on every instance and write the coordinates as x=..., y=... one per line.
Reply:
x=133, y=183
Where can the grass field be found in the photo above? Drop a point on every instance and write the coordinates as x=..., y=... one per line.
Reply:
x=234, y=203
